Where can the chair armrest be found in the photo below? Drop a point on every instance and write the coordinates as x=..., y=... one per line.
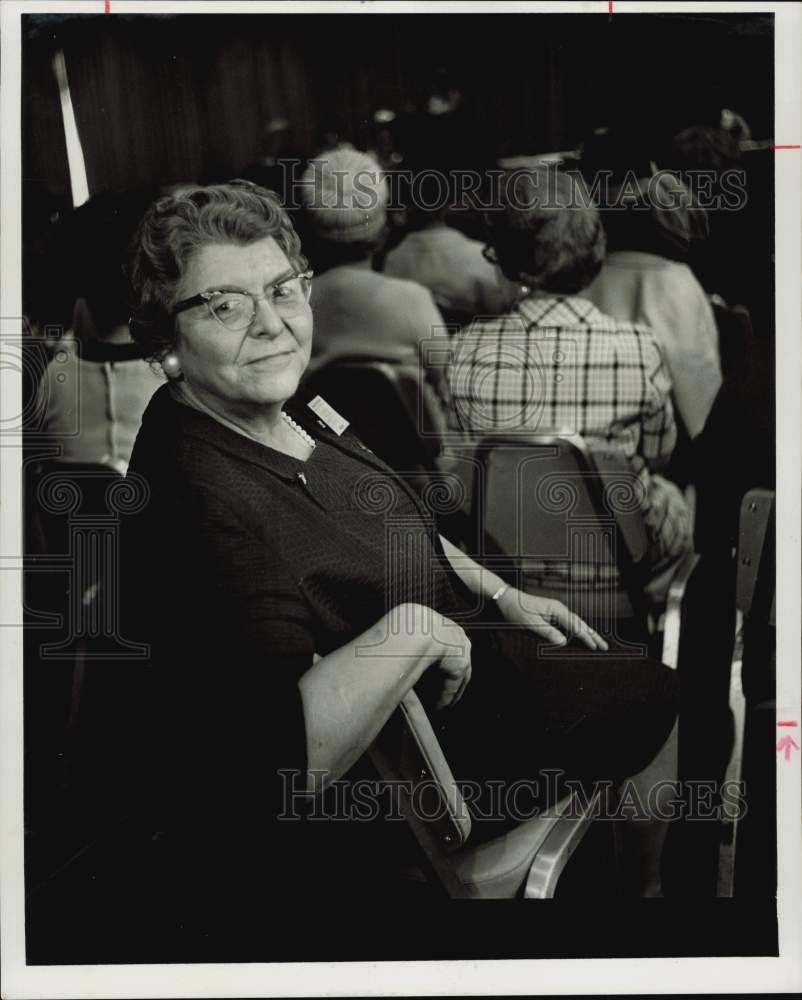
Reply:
x=435, y=763
x=672, y=626
x=407, y=751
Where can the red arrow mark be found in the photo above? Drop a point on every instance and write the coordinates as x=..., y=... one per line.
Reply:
x=786, y=744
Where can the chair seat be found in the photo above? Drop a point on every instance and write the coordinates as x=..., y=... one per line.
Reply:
x=526, y=860
x=499, y=868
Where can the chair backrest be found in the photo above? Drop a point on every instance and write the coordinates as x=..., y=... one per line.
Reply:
x=549, y=499
x=734, y=325
x=407, y=752
x=390, y=408
x=59, y=491
x=755, y=578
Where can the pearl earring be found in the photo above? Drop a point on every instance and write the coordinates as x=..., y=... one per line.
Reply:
x=171, y=366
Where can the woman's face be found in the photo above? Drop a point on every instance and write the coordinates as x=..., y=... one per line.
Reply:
x=242, y=372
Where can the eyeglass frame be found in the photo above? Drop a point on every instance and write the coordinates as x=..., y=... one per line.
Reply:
x=205, y=297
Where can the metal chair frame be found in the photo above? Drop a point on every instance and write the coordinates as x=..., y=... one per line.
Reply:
x=527, y=861
x=757, y=512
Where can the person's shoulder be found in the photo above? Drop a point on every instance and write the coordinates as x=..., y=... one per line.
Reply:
x=408, y=246
x=390, y=285
x=409, y=296
x=140, y=370
x=510, y=322
x=174, y=438
x=637, y=340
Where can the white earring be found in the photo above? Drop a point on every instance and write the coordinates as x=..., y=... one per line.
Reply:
x=171, y=366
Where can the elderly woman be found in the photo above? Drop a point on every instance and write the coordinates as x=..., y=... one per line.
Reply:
x=284, y=623
x=600, y=377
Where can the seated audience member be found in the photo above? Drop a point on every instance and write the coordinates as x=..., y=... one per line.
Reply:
x=736, y=261
x=464, y=285
x=258, y=574
x=645, y=280
x=358, y=311
x=95, y=389
x=556, y=363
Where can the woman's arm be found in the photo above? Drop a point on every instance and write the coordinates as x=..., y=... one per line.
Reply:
x=475, y=577
x=550, y=619
x=349, y=694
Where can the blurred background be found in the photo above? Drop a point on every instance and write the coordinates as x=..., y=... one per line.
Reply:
x=162, y=100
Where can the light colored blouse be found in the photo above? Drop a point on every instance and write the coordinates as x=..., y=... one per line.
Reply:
x=93, y=409
x=663, y=294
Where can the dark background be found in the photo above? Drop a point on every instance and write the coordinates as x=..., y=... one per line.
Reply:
x=164, y=99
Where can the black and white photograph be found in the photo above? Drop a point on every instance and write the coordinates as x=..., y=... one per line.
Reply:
x=400, y=466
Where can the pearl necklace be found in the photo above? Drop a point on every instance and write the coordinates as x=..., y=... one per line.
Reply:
x=180, y=392
x=307, y=438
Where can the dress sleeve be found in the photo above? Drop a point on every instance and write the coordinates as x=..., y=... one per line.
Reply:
x=254, y=591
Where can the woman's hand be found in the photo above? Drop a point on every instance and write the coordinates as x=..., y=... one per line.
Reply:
x=454, y=660
x=550, y=619
x=351, y=692
x=448, y=647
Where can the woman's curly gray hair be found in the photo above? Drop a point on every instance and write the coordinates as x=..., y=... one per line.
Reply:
x=547, y=232
x=176, y=227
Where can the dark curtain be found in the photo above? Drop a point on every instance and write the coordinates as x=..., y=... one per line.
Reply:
x=163, y=99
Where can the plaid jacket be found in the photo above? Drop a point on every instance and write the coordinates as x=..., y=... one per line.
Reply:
x=558, y=364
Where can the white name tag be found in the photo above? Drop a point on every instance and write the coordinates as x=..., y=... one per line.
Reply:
x=328, y=415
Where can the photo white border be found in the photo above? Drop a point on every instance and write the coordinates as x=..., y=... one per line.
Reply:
x=513, y=977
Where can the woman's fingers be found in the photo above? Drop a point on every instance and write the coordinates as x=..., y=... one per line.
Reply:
x=453, y=688
x=550, y=633
x=574, y=625
x=465, y=682
x=457, y=668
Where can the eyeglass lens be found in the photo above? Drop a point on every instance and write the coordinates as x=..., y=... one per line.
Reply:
x=235, y=310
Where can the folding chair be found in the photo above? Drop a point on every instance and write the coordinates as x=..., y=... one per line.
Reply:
x=390, y=408
x=524, y=861
x=755, y=612
x=548, y=499
x=70, y=597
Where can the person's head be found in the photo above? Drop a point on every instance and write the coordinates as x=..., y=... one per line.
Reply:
x=703, y=147
x=547, y=234
x=92, y=246
x=345, y=195
x=219, y=295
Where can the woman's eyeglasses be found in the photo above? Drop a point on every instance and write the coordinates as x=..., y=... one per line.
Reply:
x=236, y=310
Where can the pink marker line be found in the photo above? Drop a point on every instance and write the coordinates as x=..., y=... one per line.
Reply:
x=787, y=723
x=610, y=7
x=786, y=147
x=108, y=6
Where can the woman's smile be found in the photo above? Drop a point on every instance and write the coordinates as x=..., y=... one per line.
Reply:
x=277, y=360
